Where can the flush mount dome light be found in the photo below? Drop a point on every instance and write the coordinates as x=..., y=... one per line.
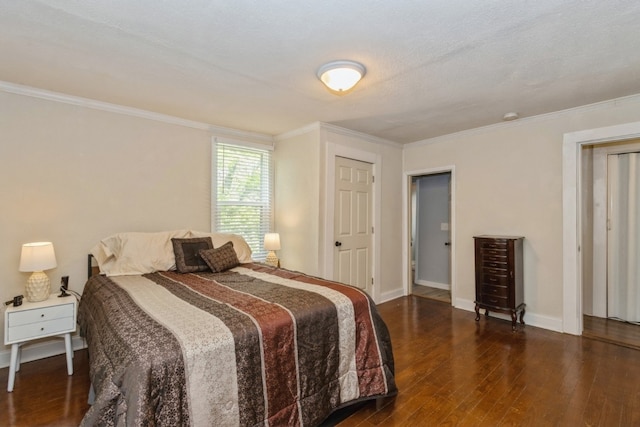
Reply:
x=340, y=76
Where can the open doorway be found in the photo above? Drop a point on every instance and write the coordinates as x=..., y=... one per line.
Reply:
x=610, y=204
x=431, y=236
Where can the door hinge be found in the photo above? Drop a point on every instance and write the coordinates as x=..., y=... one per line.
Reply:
x=372, y=230
x=373, y=178
x=372, y=280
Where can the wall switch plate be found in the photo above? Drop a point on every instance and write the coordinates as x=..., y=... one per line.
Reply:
x=444, y=226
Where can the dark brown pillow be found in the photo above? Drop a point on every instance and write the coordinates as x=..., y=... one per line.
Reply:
x=220, y=259
x=186, y=251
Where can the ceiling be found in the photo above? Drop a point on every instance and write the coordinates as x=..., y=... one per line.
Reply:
x=433, y=67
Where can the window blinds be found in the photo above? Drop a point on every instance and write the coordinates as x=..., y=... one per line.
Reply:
x=243, y=194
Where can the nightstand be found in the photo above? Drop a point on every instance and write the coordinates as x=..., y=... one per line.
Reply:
x=34, y=320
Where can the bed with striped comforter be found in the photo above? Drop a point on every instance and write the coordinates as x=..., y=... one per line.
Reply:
x=251, y=346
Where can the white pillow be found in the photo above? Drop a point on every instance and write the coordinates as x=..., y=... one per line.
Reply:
x=137, y=253
x=243, y=251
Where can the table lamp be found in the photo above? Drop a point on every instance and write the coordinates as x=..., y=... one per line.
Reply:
x=272, y=243
x=37, y=257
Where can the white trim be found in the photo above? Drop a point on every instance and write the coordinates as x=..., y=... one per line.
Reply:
x=572, y=212
x=530, y=319
x=332, y=151
x=389, y=295
x=360, y=135
x=129, y=111
x=242, y=143
x=436, y=285
x=40, y=350
x=406, y=226
x=339, y=130
x=297, y=132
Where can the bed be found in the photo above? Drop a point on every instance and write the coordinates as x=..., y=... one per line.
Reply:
x=245, y=345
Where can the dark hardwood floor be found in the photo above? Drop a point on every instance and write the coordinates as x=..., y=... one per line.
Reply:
x=432, y=293
x=613, y=331
x=43, y=393
x=450, y=370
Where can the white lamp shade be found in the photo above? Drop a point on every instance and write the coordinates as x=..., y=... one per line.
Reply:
x=340, y=76
x=272, y=241
x=37, y=256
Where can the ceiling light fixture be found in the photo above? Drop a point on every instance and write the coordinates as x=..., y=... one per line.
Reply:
x=341, y=76
x=510, y=116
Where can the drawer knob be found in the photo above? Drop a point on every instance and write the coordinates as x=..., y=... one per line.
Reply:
x=42, y=315
x=42, y=329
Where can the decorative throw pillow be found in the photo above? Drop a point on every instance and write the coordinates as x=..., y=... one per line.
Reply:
x=187, y=255
x=220, y=259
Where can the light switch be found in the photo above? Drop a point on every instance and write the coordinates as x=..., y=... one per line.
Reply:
x=444, y=226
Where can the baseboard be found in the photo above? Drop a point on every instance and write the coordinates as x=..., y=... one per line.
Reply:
x=41, y=349
x=533, y=319
x=443, y=286
x=388, y=296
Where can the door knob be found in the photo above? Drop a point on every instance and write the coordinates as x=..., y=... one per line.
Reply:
x=447, y=243
x=338, y=244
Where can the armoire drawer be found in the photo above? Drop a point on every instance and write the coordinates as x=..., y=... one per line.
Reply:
x=494, y=301
x=495, y=291
x=494, y=244
x=495, y=279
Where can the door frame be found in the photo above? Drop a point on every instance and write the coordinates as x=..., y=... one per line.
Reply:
x=572, y=214
x=416, y=243
x=406, y=226
x=336, y=150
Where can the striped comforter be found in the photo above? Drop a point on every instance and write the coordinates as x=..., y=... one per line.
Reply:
x=251, y=346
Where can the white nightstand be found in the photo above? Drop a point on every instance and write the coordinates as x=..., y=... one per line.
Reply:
x=33, y=320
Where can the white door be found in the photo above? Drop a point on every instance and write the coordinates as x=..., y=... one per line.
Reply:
x=353, y=227
x=623, y=240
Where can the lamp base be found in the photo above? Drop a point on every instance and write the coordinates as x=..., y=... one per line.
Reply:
x=272, y=259
x=38, y=287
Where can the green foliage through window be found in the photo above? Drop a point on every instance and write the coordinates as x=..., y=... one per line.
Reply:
x=243, y=194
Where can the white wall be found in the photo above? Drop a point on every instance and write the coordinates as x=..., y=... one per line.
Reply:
x=509, y=181
x=73, y=175
x=297, y=198
x=301, y=200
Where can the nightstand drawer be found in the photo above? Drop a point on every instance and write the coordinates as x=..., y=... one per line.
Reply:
x=43, y=314
x=40, y=329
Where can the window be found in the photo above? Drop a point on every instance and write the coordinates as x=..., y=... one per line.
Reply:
x=242, y=193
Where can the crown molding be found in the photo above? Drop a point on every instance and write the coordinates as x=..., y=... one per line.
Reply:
x=318, y=126
x=63, y=98
x=519, y=122
x=315, y=126
x=361, y=135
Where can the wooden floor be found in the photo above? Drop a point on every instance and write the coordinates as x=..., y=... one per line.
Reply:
x=613, y=331
x=432, y=293
x=450, y=370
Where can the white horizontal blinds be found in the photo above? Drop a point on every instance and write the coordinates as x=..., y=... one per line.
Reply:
x=243, y=194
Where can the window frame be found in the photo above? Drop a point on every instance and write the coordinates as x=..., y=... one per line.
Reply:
x=258, y=253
